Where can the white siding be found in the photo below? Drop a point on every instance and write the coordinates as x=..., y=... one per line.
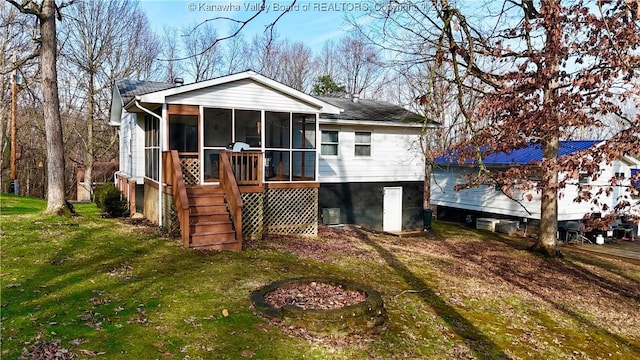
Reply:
x=126, y=130
x=395, y=156
x=132, y=146
x=487, y=199
x=242, y=94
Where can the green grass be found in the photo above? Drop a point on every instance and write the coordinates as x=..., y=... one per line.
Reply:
x=100, y=286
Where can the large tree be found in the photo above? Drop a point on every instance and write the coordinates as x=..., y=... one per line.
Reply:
x=48, y=12
x=544, y=69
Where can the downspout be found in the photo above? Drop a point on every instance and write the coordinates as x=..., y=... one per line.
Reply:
x=160, y=204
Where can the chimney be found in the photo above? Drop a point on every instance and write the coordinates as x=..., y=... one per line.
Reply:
x=355, y=98
x=178, y=81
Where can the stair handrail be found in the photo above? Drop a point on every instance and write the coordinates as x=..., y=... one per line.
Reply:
x=173, y=176
x=231, y=193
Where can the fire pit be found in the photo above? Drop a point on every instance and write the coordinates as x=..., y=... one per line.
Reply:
x=322, y=306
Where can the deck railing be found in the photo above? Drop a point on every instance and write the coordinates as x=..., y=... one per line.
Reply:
x=172, y=174
x=231, y=193
x=246, y=166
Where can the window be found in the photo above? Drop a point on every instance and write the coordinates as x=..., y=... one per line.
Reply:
x=583, y=178
x=363, y=143
x=329, y=143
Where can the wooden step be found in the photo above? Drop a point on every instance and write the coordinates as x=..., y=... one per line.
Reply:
x=207, y=226
x=209, y=209
x=195, y=218
x=234, y=246
x=212, y=238
x=204, y=190
x=211, y=199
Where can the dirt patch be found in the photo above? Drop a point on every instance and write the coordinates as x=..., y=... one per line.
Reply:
x=314, y=296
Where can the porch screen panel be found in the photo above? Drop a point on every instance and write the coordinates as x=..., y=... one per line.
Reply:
x=151, y=147
x=247, y=124
x=277, y=165
x=277, y=130
x=217, y=127
x=303, y=166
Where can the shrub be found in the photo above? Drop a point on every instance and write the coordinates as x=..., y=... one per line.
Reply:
x=109, y=199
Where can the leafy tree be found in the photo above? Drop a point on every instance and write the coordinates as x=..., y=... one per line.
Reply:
x=325, y=86
x=544, y=70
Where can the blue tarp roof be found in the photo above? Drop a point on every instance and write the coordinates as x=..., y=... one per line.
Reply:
x=523, y=156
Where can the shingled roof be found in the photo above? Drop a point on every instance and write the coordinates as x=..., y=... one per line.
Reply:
x=360, y=110
x=129, y=89
x=369, y=110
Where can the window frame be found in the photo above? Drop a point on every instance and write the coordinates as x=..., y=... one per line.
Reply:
x=357, y=144
x=336, y=143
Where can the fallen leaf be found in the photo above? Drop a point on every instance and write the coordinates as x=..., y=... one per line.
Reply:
x=247, y=353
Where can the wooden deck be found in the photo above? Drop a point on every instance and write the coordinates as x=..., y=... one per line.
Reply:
x=624, y=250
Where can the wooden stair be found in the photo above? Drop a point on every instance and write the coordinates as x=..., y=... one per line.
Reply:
x=210, y=222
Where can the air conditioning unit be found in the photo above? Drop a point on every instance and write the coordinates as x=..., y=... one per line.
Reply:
x=331, y=216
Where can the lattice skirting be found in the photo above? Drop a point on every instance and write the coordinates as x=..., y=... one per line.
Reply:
x=291, y=211
x=252, y=216
x=190, y=170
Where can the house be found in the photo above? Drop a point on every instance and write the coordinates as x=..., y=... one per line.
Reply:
x=489, y=200
x=295, y=150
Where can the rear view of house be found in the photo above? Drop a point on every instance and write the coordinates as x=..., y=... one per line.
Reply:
x=242, y=155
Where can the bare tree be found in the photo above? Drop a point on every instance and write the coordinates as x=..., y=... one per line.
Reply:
x=266, y=51
x=16, y=29
x=236, y=56
x=202, y=60
x=359, y=63
x=327, y=60
x=170, y=49
x=96, y=31
x=299, y=66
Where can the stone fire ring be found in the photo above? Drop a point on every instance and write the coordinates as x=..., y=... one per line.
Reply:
x=368, y=316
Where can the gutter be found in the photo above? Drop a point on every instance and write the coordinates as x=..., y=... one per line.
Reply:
x=147, y=111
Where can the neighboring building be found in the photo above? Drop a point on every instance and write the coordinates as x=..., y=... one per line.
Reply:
x=292, y=145
x=487, y=200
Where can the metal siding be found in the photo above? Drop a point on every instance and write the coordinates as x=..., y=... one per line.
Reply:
x=242, y=94
x=487, y=200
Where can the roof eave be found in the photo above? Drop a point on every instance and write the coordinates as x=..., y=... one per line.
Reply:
x=325, y=121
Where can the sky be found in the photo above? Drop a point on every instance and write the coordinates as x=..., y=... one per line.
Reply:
x=310, y=21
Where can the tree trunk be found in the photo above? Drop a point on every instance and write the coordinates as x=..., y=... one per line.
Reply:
x=549, y=207
x=426, y=201
x=89, y=156
x=56, y=203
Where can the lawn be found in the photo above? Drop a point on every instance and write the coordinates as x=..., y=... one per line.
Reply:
x=90, y=287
